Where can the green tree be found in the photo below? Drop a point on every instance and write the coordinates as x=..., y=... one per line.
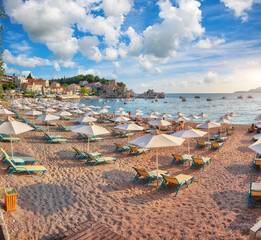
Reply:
x=29, y=76
x=90, y=78
x=103, y=80
x=97, y=79
x=1, y=91
x=2, y=16
x=84, y=91
x=95, y=91
x=65, y=85
x=121, y=84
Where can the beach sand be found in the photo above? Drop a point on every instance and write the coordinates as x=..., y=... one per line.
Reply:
x=213, y=207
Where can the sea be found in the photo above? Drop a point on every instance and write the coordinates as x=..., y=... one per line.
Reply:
x=222, y=103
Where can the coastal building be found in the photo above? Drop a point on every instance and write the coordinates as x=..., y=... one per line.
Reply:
x=82, y=83
x=88, y=87
x=44, y=83
x=32, y=87
x=112, y=82
x=19, y=80
x=95, y=85
x=75, y=88
x=55, y=85
x=6, y=79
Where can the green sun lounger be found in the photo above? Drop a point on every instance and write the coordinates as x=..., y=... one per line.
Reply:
x=114, y=132
x=171, y=184
x=81, y=154
x=144, y=177
x=17, y=158
x=254, y=195
x=216, y=145
x=200, y=162
x=178, y=159
x=92, y=139
x=137, y=151
x=6, y=137
x=94, y=160
x=126, y=134
x=29, y=169
x=120, y=148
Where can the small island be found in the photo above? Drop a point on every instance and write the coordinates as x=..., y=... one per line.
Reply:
x=151, y=94
x=256, y=90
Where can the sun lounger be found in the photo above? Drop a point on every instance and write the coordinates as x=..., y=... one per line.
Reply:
x=178, y=159
x=94, y=160
x=17, y=159
x=126, y=134
x=171, y=184
x=254, y=194
x=37, y=128
x=230, y=132
x=114, y=132
x=202, y=144
x=55, y=139
x=137, y=151
x=65, y=118
x=216, y=145
x=221, y=130
x=200, y=162
x=256, y=163
x=63, y=128
x=48, y=123
x=121, y=148
x=147, y=177
x=81, y=154
x=92, y=139
x=221, y=139
x=6, y=137
x=29, y=169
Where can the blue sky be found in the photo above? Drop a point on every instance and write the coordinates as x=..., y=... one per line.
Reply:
x=173, y=46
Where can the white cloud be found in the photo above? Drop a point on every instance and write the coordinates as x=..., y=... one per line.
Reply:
x=63, y=49
x=207, y=43
x=239, y=7
x=111, y=54
x=88, y=47
x=21, y=46
x=136, y=42
x=67, y=64
x=116, y=7
x=23, y=60
x=210, y=77
x=117, y=68
x=179, y=25
x=10, y=70
x=57, y=66
x=26, y=73
x=92, y=71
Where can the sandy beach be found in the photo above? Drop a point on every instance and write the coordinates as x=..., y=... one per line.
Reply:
x=213, y=207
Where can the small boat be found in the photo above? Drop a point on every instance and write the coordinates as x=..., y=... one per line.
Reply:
x=249, y=96
x=152, y=101
x=125, y=102
x=165, y=102
x=224, y=97
x=156, y=99
x=240, y=97
x=209, y=99
x=180, y=97
x=184, y=99
x=197, y=97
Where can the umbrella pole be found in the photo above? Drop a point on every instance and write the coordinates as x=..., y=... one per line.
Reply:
x=12, y=147
x=88, y=144
x=157, y=160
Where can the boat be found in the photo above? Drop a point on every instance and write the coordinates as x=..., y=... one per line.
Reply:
x=197, y=96
x=152, y=101
x=180, y=97
x=184, y=99
x=240, y=97
x=165, y=102
x=224, y=97
x=249, y=96
x=209, y=99
x=156, y=99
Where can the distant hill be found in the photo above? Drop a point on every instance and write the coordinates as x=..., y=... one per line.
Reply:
x=256, y=90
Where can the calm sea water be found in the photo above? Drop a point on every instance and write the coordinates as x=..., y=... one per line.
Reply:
x=246, y=109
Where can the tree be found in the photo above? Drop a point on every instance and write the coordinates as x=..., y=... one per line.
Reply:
x=121, y=84
x=95, y=91
x=65, y=85
x=2, y=16
x=97, y=79
x=84, y=90
x=29, y=76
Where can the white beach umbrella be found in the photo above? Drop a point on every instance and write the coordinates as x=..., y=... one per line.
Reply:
x=207, y=125
x=47, y=117
x=78, y=111
x=107, y=106
x=233, y=114
x=24, y=107
x=222, y=120
x=5, y=111
x=63, y=113
x=91, y=113
x=164, y=115
x=180, y=119
x=33, y=113
x=130, y=126
x=179, y=114
x=256, y=146
x=192, y=117
x=202, y=115
x=159, y=122
x=137, y=114
x=12, y=127
x=120, y=113
x=86, y=108
x=90, y=129
x=120, y=119
x=189, y=132
x=49, y=110
x=85, y=119
x=39, y=107
x=257, y=137
x=150, y=116
x=228, y=117
x=157, y=140
x=153, y=113
x=104, y=110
